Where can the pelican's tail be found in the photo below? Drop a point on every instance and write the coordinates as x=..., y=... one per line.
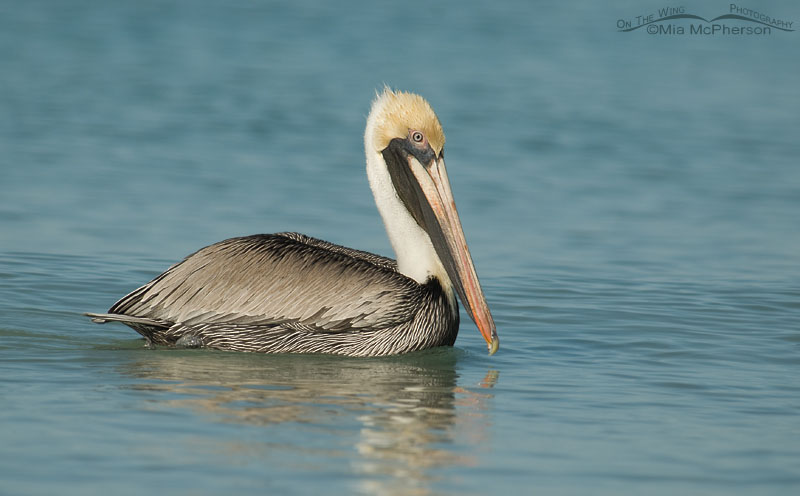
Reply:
x=102, y=318
x=153, y=330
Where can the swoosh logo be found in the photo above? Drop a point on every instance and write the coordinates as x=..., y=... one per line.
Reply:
x=692, y=16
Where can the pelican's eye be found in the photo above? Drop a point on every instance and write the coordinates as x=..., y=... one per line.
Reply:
x=417, y=145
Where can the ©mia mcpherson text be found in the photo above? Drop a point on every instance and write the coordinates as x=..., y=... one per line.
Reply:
x=745, y=21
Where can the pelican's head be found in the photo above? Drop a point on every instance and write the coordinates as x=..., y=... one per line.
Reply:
x=394, y=113
x=404, y=144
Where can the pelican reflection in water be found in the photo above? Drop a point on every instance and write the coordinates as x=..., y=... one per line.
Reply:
x=291, y=293
x=399, y=423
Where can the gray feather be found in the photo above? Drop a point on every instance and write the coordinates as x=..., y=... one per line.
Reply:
x=289, y=293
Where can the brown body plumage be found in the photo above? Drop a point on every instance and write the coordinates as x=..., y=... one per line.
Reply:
x=289, y=293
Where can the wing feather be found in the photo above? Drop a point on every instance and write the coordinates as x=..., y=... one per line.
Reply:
x=279, y=278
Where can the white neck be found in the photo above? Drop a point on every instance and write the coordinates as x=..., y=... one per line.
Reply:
x=416, y=257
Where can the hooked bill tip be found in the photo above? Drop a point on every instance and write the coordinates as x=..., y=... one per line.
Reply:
x=494, y=345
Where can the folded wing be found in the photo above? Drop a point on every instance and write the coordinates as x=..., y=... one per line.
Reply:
x=275, y=279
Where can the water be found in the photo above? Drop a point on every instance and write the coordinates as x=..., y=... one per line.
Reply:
x=631, y=202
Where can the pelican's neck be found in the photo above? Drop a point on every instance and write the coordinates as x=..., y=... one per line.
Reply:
x=416, y=257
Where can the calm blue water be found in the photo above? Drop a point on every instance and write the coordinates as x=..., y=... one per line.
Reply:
x=631, y=202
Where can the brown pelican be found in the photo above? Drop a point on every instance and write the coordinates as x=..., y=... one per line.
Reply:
x=290, y=293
